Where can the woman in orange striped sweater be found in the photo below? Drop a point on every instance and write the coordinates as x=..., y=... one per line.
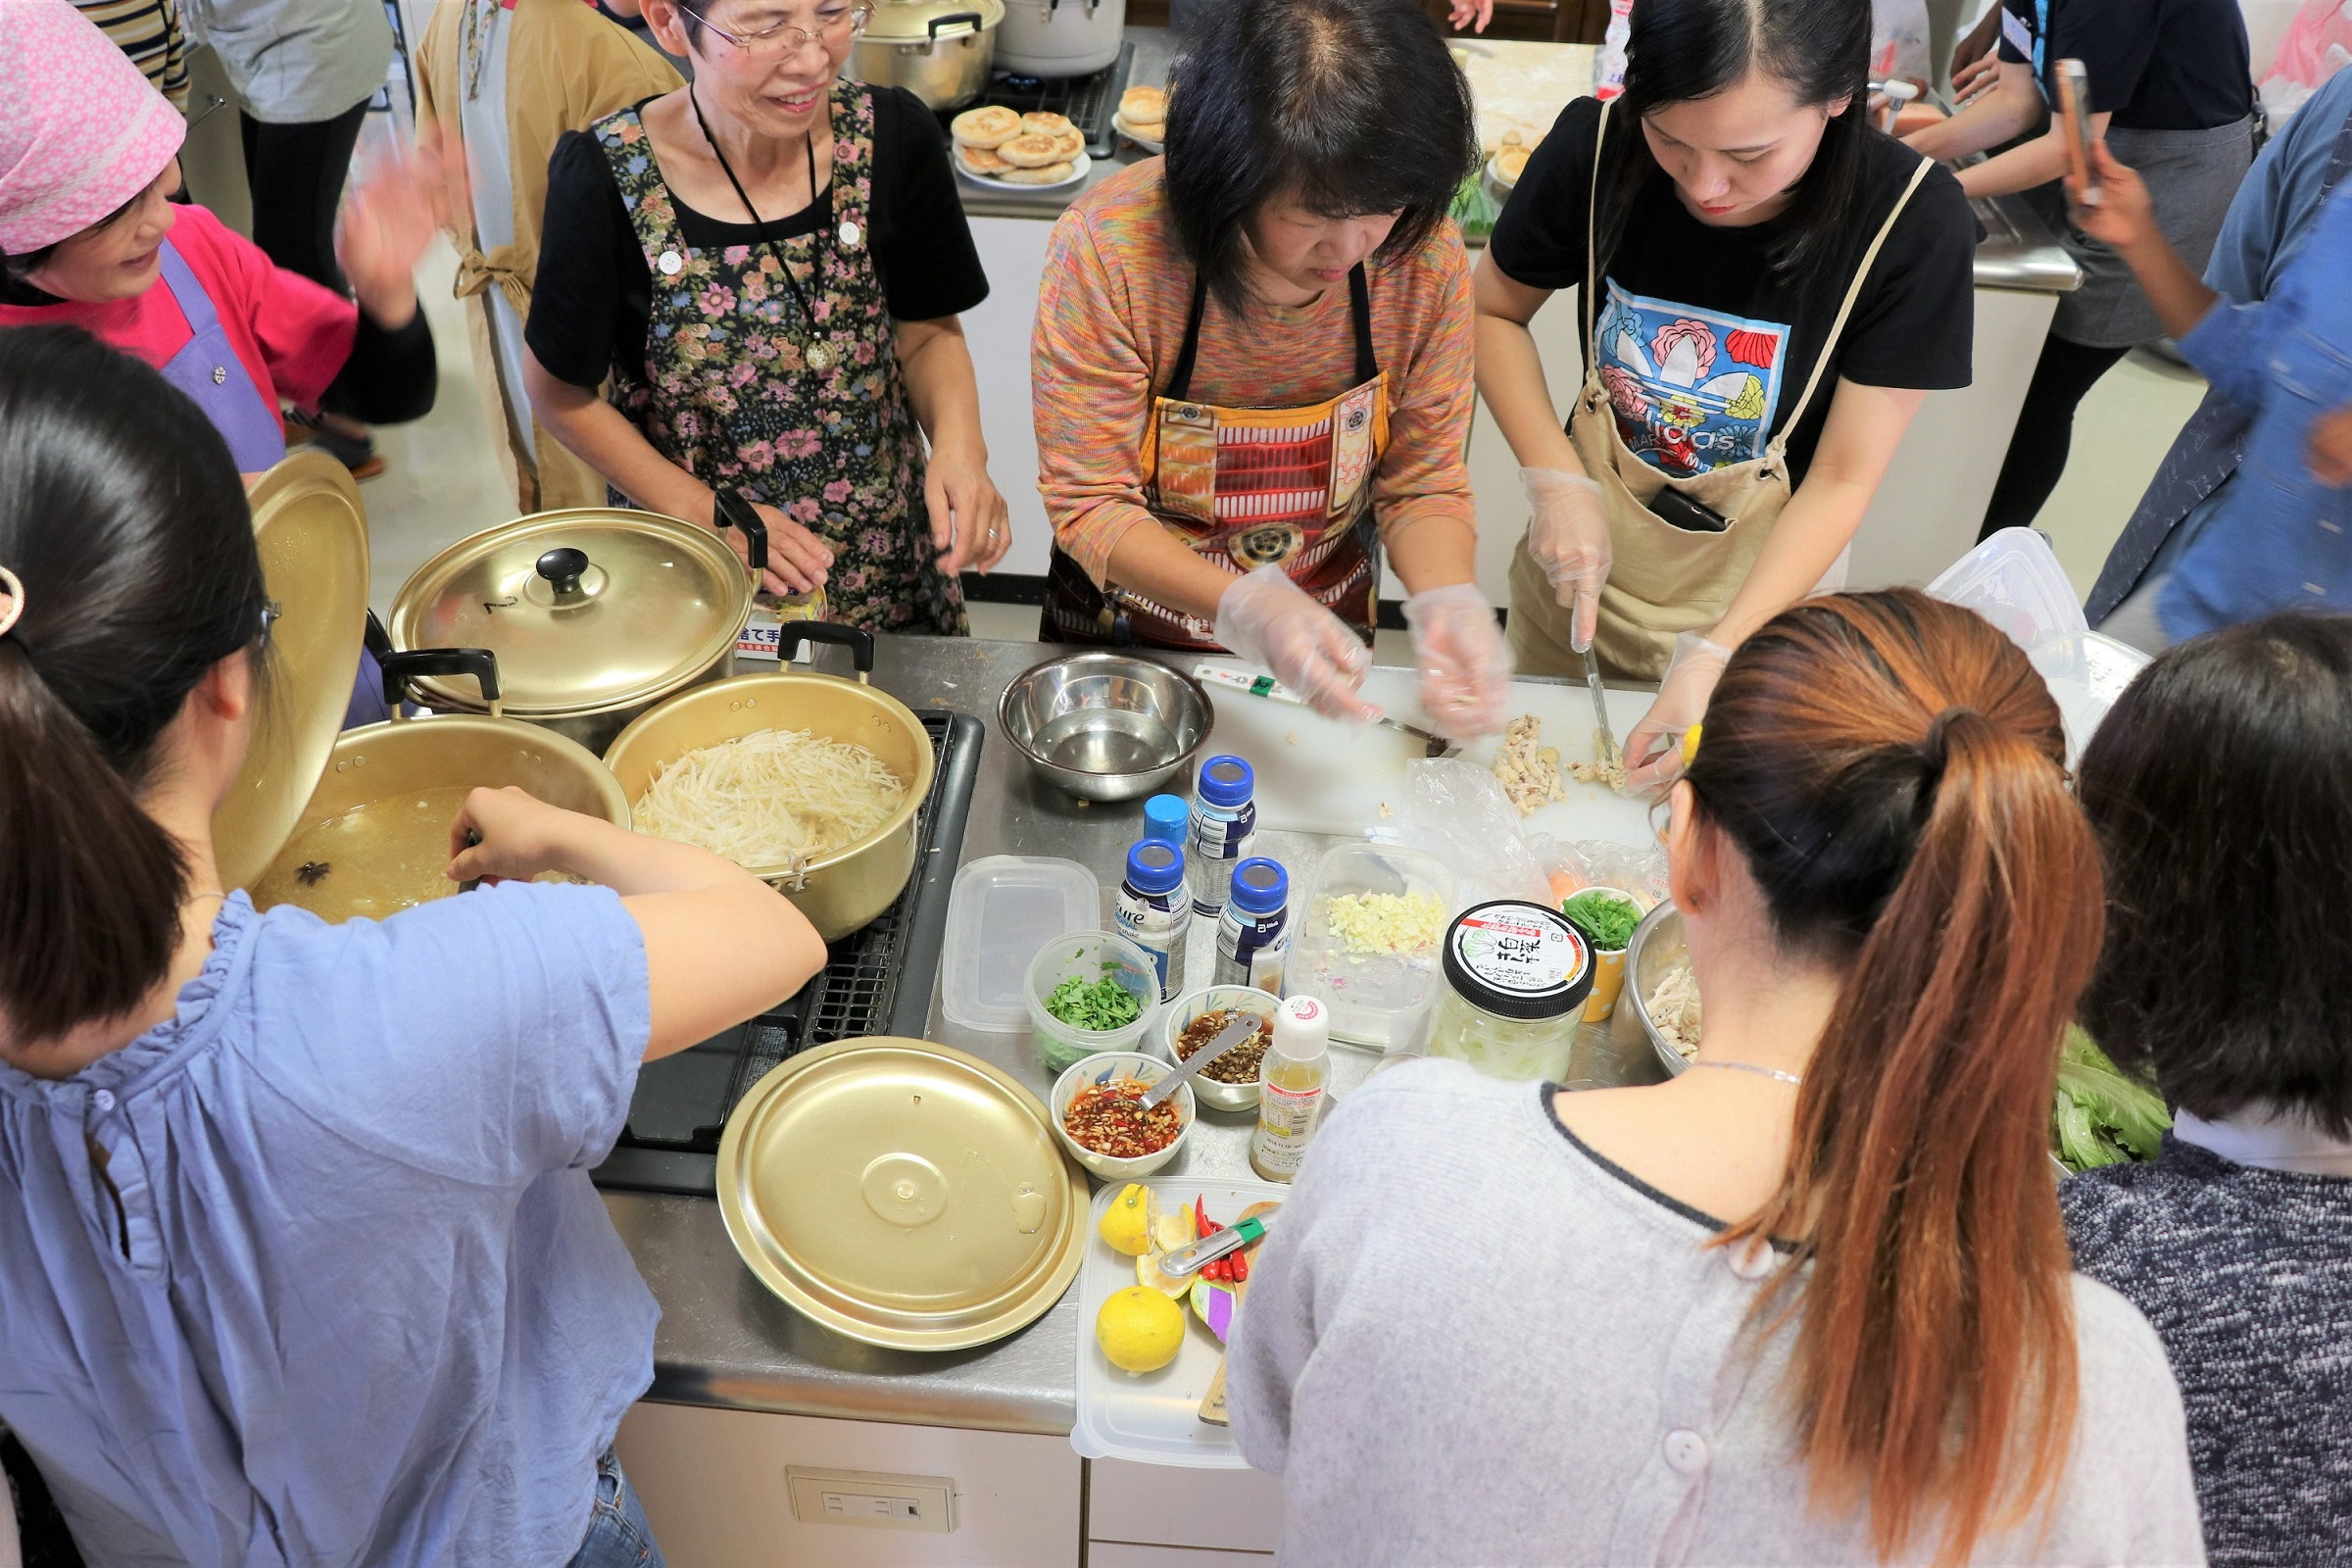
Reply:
x=1252, y=367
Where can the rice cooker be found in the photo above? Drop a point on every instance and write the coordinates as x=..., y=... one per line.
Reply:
x=1059, y=37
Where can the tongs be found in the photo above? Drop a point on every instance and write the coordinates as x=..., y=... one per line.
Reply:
x=1604, y=739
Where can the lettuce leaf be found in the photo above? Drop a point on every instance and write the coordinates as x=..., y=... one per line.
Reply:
x=2102, y=1117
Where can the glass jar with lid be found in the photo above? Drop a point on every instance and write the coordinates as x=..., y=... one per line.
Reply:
x=1516, y=978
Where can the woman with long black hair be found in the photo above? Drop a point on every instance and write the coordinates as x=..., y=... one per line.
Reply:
x=1769, y=289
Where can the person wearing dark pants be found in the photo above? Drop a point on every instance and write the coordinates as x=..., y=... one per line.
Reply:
x=296, y=175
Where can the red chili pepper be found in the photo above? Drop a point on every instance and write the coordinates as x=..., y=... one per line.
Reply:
x=1241, y=1266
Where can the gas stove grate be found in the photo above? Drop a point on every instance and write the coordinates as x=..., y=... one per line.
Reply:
x=876, y=981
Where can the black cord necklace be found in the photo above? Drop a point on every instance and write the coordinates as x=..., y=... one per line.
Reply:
x=815, y=353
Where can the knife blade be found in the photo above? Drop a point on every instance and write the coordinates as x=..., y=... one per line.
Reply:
x=1604, y=739
x=1274, y=691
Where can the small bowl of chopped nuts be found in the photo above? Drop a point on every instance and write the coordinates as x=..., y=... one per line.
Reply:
x=1098, y=1109
x=1230, y=1083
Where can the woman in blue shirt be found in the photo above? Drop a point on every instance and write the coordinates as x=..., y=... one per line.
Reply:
x=299, y=1262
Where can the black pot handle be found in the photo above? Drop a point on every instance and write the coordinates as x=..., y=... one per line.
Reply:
x=952, y=18
x=729, y=510
x=400, y=669
x=856, y=639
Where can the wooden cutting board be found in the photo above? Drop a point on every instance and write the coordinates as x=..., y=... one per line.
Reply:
x=1318, y=775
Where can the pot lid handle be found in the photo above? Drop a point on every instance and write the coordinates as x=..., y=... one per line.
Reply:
x=856, y=639
x=974, y=18
x=400, y=669
x=730, y=510
x=562, y=567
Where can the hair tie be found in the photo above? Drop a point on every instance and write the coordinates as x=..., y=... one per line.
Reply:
x=1934, y=749
x=11, y=611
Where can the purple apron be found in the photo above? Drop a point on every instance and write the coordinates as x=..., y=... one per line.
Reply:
x=207, y=369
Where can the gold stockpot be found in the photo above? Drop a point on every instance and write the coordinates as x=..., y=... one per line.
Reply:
x=595, y=614
x=841, y=889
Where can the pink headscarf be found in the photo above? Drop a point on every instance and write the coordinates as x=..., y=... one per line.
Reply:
x=81, y=131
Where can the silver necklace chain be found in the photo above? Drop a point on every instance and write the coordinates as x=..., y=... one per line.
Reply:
x=1749, y=1067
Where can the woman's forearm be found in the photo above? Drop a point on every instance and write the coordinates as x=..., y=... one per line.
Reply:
x=2006, y=111
x=936, y=364
x=1432, y=551
x=2022, y=168
x=1147, y=559
x=1510, y=371
x=603, y=437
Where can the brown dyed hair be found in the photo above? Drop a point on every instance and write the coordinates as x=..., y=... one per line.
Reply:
x=124, y=516
x=1892, y=770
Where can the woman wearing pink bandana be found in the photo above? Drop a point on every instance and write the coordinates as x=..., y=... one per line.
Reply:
x=91, y=238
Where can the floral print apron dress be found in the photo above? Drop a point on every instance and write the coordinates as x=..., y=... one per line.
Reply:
x=729, y=397
x=1247, y=488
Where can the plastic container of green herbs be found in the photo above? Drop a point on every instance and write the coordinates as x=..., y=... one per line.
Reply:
x=1090, y=991
x=1604, y=915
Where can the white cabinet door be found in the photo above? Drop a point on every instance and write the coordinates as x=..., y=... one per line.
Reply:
x=714, y=1488
x=1012, y=251
x=1169, y=1506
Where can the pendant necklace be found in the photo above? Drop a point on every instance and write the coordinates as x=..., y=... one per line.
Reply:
x=817, y=354
x=1757, y=1068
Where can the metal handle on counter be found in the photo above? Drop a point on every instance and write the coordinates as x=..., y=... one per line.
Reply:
x=856, y=639
x=729, y=510
x=400, y=669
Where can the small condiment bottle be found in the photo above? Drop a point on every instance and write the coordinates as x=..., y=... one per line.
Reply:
x=1516, y=979
x=1254, y=935
x=1224, y=825
x=1154, y=910
x=1291, y=1081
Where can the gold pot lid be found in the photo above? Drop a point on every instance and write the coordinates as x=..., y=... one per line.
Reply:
x=312, y=535
x=909, y=20
x=902, y=1193
x=588, y=611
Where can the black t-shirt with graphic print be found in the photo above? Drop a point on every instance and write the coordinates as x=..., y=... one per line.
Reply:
x=1705, y=349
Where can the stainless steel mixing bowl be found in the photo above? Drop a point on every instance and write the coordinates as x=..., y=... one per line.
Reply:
x=1657, y=946
x=1104, y=726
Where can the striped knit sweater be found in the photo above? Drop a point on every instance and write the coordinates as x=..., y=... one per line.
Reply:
x=2246, y=1275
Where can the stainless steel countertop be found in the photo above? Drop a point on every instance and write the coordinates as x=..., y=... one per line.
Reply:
x=2016, y=252
x=725, y=1341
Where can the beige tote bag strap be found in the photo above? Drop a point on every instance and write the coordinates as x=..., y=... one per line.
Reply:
x=1592, y=285
x=1778, y=448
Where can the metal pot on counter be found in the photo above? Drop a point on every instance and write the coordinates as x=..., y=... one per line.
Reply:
x=1060, y=37
x=940, y=50
x=842, y=888
x=595, y=615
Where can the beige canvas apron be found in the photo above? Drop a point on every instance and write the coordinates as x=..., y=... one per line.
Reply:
x=1664, y=580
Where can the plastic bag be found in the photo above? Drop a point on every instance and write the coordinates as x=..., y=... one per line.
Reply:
x=2317, y=45
x=1457, y=810
x=1639, y=873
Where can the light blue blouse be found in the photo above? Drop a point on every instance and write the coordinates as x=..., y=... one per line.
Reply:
x=313, y=1274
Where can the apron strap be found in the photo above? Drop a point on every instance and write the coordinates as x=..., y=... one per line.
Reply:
x=1853, y=292
x=1359, y=308
x=1601, y=135
x=194, y=302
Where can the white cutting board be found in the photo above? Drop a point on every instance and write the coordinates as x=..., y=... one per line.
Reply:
x=1319, y=776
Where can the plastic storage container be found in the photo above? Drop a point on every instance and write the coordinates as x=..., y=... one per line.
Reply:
x=1378, y=999
x=1004, y=910
x=1516, y=979
x=1087, y=956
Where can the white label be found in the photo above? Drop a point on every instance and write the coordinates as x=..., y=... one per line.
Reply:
x=2016, y=34
x=1520, y=948
x=1286, y=1119
x=762, y=637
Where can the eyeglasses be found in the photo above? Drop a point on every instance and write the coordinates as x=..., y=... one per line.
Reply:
x=784, y=40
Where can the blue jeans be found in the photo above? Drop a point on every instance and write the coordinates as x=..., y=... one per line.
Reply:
x=617, y=1535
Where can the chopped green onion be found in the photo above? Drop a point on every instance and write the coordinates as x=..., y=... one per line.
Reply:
x=1606, y=921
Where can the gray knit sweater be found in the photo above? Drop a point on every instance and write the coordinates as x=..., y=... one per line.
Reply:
x=2246, y=1275
x=1471, y=1341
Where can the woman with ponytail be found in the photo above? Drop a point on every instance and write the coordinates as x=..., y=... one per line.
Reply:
x=299, y=1262
x=1810, y=1301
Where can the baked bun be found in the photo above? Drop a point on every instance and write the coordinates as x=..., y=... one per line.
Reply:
x=1143, y=106
x=1034, y=150
x=1051, y=175
x=988, y=128
x=981, y=161
x=1146, y=129
x=1044, y=124
x=1510, y=164
x=1072, y=142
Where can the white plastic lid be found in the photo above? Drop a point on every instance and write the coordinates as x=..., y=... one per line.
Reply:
x=1302, y=1029
x=1004, y=909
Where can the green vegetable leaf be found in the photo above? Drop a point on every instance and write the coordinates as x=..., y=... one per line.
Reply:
x=2101, y=1116
x=1095, y=1006
x=1606, y=921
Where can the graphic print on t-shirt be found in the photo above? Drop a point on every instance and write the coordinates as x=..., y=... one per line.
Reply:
x=1693, y=390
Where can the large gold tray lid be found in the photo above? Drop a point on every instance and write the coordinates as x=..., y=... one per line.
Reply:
x=902, y=1193
x=312, y=535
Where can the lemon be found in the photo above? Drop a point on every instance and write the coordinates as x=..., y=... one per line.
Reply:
x=1127, y=1223
x=1140, y=1330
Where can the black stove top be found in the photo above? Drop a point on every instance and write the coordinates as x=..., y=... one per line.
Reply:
x=1088, y=100
x=877, y=981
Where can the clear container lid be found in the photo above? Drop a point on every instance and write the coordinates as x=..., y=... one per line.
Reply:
x=1005, y=909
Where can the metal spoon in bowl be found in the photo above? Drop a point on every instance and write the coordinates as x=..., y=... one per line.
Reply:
x=1237, y=1030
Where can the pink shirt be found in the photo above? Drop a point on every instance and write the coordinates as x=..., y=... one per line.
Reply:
x=292, y=335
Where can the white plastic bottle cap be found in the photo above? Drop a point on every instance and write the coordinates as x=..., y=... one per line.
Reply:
x=1302, y=1029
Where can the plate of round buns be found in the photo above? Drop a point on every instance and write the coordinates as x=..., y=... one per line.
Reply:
x=1143, y=117
x=994, y=146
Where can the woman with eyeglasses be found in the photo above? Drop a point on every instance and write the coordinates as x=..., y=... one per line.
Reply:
x=768, y=266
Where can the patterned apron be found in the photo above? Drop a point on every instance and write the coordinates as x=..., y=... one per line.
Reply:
x=1664, y=580
x=729, y=397
x=1246, y=488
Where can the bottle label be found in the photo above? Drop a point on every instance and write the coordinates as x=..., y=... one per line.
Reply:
x=1286, y=1121
x=1218, y=838
x=1521, y=949
x=1241, y=939
x=1156, y=922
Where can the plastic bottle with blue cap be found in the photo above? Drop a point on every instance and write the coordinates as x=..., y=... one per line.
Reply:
x=1224, y=827
x=1166, y=816
x=1254, y=935
x=1154, y=909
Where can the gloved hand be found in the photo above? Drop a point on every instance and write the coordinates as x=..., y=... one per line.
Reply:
x=1265, y=618
x=1682, y=703
x=1568, y=535
x=1465, y=665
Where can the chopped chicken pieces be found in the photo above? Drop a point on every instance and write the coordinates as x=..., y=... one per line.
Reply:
x=1529, y=771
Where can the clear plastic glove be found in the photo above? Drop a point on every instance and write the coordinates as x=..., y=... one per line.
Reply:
x=1267, y=620
x=1465, y=665
x=1653, y=752
x=1568, y=535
